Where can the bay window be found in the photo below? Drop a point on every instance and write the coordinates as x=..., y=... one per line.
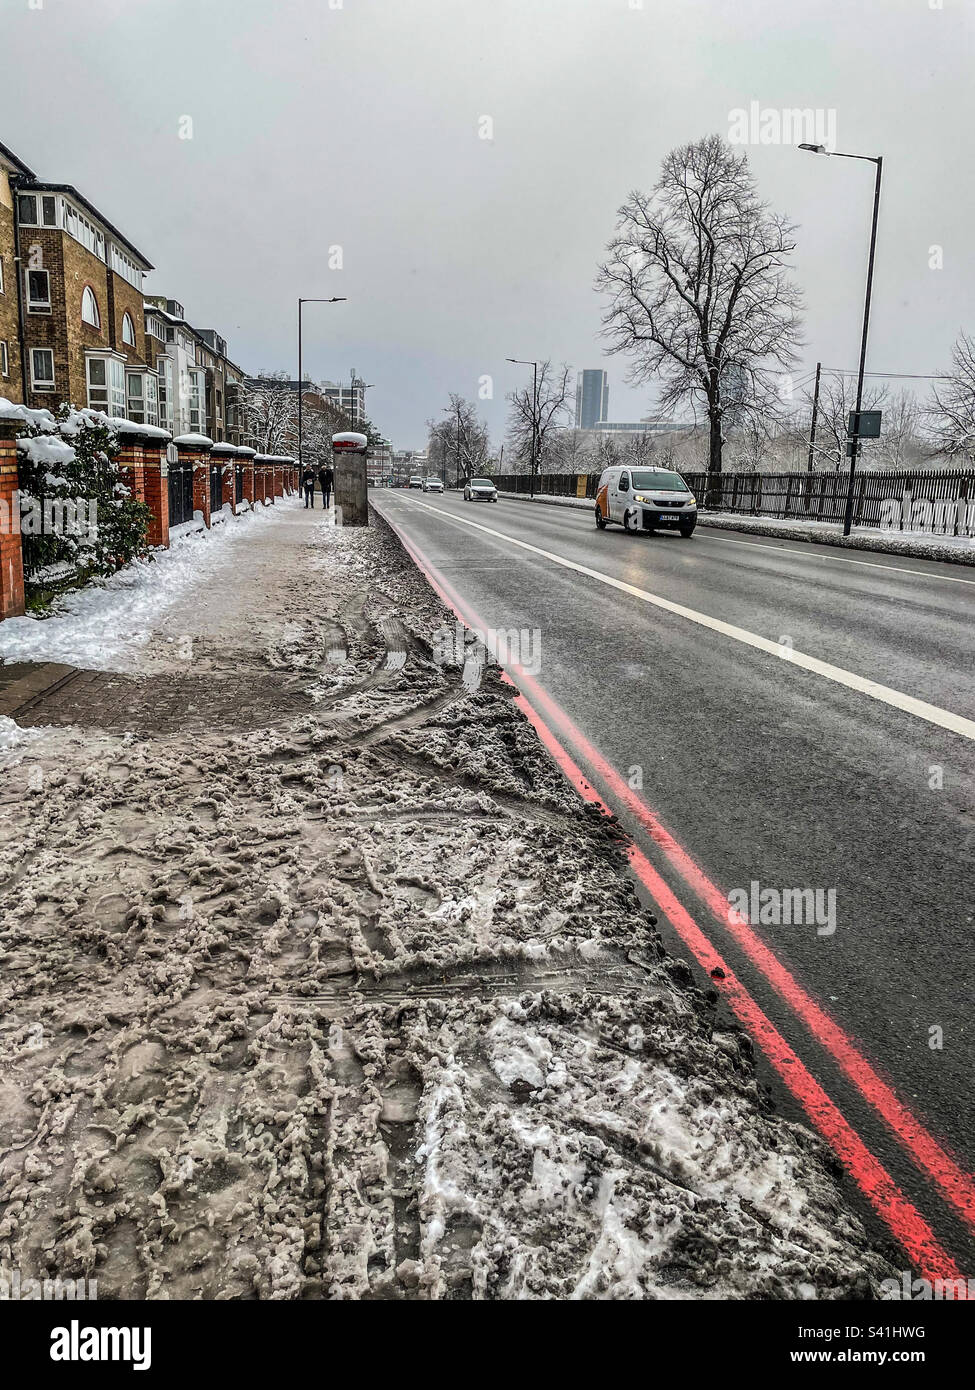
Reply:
x=106, y=385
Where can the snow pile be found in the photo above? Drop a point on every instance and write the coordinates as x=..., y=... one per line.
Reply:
x=104, y=626
x=320, y=982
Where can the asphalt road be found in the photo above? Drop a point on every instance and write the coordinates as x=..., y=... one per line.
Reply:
x=765, y=770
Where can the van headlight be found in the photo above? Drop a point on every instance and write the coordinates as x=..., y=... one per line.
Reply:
x=691, y=502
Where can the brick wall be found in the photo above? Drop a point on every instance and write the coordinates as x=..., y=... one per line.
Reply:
x=11, y=558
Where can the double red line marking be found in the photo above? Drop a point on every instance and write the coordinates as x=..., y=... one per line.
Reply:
x=899, y=1214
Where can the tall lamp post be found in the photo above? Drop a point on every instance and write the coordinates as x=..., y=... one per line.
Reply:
x=301, y=385
x=854, y=445
x=534, y=365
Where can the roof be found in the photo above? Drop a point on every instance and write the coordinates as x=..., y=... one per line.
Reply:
x=42, y=186
x=10, y=158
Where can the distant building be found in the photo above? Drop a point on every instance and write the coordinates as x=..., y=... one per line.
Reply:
x=592, y=398
x=351, y=399
x=198, y=384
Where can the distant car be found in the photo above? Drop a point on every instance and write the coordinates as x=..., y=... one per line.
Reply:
x=432, y=485
x=480, y=490
x=416, y=480
x=643, y=499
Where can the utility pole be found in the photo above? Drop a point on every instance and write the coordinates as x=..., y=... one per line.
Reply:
x=853, y=446
x=855, y=441
x=534, y=426
x=815, y=413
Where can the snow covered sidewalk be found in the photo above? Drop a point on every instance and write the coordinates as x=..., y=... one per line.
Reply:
x=319, y=981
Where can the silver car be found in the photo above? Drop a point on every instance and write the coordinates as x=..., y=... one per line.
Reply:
x=432, y=485
x=480, y=490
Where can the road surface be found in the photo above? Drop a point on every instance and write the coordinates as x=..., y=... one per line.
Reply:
x=763, y=711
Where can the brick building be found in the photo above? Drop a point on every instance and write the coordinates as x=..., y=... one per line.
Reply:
x=81, y=331
x=198, y=383
x=11, y=381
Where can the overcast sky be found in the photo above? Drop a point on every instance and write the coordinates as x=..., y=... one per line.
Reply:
x=358, y=126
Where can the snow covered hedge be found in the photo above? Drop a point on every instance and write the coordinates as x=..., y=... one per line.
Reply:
x=76, y=513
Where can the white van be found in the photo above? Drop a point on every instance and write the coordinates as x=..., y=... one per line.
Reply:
x=642, y=499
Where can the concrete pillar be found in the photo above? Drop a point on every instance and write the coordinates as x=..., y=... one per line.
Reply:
x=194, y=450
x=351, y=486
x=11, y=555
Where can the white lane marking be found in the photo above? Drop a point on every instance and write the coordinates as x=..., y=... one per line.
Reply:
x=944, y=719
x=812, y=554
x=843, y=559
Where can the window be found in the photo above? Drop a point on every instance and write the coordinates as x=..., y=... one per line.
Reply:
x=27, y=209
x=156, y=328
x=164, y=371
x=123, y=265
x=49, y=211
x=1, y=275
x=79, y=227
x=89, y=308
x=128, y=330
x=4, y=359
x=198, y=416
x=143, y=406
x=106, y=385
x=42, y=369
x=38, y=292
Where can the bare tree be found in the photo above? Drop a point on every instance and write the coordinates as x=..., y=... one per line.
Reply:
x=837, y=398
x=902, y=444
x=699, y=291
x=270, y=408
x=458, y=446
x=951, y=419
x=536, y=413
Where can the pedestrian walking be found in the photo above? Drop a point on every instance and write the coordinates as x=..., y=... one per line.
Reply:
x=326, y=477
x=308, y=486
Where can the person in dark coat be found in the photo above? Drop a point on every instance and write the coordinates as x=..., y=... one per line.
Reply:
x=326, y=477
x=308, y=486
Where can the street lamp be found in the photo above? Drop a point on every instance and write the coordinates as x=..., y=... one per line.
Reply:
x=336, y=300
x=855, y=439
x=534, y=365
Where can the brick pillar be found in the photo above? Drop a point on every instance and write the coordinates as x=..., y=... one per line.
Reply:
x=278, y=476
x=289, y=477
x=156, y=476
x=263, y=479
x=131, y=466
x=194, y=450
x=246, y=456
x=11, y=556
x=224, y=454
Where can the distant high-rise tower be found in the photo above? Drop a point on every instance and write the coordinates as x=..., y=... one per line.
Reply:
x=592, y=399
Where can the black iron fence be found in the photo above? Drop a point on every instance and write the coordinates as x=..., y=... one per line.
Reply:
x=216, y=487
x=941, y=501
x=180, y=493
